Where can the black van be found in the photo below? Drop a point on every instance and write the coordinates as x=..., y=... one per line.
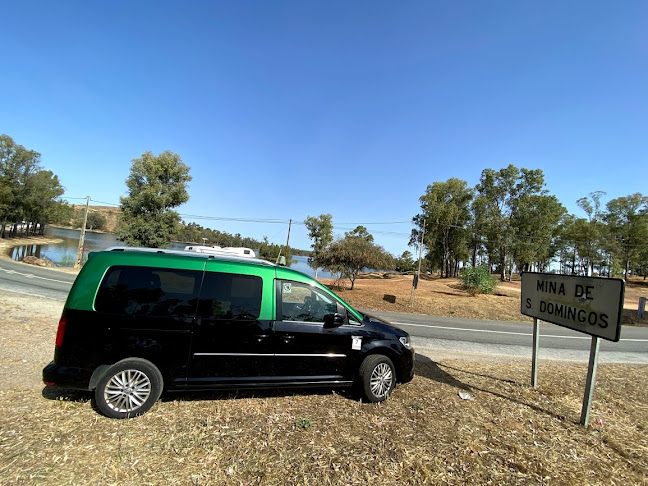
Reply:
x=138, y=321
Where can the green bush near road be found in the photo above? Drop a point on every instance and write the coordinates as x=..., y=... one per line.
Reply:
x=478, y=280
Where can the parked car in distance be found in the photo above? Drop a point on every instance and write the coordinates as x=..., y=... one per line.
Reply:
x=140, y=321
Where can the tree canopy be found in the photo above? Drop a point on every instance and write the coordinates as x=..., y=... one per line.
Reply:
x=320, y=230
x=354, y=253
x=155, y=185
x=27, y=192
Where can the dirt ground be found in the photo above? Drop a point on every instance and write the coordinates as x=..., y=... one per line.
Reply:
x=501, y=432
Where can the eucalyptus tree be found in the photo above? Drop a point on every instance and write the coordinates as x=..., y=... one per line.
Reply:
x=445, y=212
x=593, y=235
x=501, y=195
x=320, y=230
x=627, y=219
x=536, y=221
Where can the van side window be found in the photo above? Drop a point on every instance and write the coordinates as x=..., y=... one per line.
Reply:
x=144, y=291
x=302, y=302
x=230, y=296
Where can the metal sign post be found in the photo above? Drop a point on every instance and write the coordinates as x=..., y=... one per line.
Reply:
x=590, y=305
x=534, y=358
x=591, y=379
x=418, y=273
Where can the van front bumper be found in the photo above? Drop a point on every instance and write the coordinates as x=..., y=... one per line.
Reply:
x=408, y=366
x=66, y=377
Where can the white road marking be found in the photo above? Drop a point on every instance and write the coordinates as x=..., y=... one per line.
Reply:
x=507, y=332
x=31, y=275
x=13, y=291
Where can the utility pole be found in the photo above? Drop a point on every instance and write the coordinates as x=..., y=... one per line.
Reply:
x=79, y=257
x=288, y=239
x=418, y=273
x=279, y=257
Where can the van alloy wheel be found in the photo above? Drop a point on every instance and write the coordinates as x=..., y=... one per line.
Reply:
x=381, y=380
x=128, y=388
x=377, y=377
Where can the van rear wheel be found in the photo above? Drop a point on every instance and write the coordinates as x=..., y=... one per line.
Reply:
x=128, y=388
x=377, y=377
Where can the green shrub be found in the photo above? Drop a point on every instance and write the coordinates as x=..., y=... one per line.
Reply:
x=304, y=424
x=478, y=280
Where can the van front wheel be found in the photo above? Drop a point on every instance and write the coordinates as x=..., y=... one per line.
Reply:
x=377, y=377
x=128, y=388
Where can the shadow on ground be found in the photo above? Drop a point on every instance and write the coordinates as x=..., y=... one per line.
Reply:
x=502, y=388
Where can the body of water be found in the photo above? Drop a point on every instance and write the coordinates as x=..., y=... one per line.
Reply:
x=64, y=253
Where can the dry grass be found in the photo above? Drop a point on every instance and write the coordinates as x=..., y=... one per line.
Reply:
x=424, y=434
x=444, y=297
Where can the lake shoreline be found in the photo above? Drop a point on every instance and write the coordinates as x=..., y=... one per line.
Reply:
x=98, y=241
x=7, y=244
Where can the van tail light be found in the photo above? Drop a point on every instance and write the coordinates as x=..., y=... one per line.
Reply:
x=61, y=332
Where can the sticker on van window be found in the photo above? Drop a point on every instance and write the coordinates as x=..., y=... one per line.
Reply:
x=287, y=288
x=356, y=342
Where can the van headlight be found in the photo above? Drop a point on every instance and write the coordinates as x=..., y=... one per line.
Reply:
x=405, y=341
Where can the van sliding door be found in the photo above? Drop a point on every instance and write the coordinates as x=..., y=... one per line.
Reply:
x=230, y=344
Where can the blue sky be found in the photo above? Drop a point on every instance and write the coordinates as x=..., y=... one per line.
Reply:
x=285, y=109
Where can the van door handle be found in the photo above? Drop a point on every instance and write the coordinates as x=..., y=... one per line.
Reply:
x=288, y=337
x=261, y=337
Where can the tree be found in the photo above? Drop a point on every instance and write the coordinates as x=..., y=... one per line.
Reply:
x=627, y=218
x=272, y=251
x=593, y=235
x=360, y=232
x=96, y=221
x=446, y=212
x=155, y=185
x=353, y=253
x=405, y=263
x=62, y=213
x=27, y=192
x=499, y=197
x=535, y=220
x=320, y=230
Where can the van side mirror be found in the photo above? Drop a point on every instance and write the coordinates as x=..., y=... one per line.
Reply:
x=337, y=319
x=333, y=320
x=281, y=261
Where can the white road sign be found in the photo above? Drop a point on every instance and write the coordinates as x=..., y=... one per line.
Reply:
x=587, y=304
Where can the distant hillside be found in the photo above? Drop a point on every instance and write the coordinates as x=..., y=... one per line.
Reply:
x=111, y=214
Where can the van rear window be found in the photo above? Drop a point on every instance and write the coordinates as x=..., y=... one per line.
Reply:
x=145, y=291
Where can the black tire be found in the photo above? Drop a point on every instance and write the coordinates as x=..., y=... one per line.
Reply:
x=377, y=377
x=128, y=388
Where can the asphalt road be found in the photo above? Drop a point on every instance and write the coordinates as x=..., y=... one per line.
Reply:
x=433, y=332
x=32, y=280
x=515, y=338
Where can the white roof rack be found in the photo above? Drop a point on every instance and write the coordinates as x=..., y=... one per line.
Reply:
x=217, y=250
x=220, y=256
